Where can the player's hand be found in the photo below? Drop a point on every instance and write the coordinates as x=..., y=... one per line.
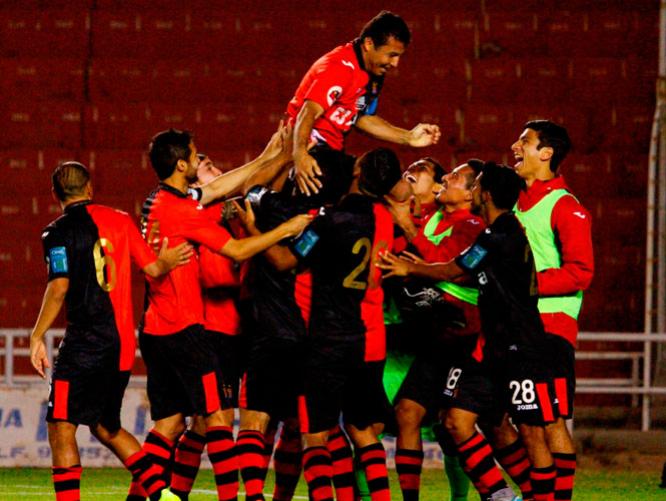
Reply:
x=395, y=266
x=176, y=256
x=307, y=171
x=246, y=215
x=153, y=239
x=297, y=224
x=38, y=357
x=424, y=135
x=412, y=258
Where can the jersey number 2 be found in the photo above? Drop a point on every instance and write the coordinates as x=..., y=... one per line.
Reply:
x=350, y=280
x=105, y=266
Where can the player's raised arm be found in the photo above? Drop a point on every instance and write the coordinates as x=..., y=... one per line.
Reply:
x=274, y=156
x=420, y=136
x=307, y=168
x=54, y=298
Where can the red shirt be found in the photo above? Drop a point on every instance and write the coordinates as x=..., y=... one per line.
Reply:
x=220, y=279
x=400, y=243
x=572, y=225
x=337, y=82
x=174, y=300
x=465, y=228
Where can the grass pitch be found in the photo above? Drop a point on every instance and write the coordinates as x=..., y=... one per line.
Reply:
x=592, y=484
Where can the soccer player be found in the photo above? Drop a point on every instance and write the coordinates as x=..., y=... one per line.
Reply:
x=341, y=90
x=452, y=333
x=220, y=281
x=346, y=325
x=559, y=230
x=183, y=373
x=88, y=252
x=511, y=360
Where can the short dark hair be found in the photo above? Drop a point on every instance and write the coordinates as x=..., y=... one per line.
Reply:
x=477, y=166
x=438, y=170
x=384, y=25
x=503, y=184
x=380, y=172
x=166, y=148
x=554, y=136
x=69, y=179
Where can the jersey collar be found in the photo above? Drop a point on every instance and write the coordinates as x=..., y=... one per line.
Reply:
x=75, y=205
x=173, y=190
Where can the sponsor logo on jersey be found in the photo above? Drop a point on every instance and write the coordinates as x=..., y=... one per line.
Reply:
x=333, y=94
x=57, y=260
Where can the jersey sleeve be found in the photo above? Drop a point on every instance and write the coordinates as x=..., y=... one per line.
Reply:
x=201, y=229
x=56, y=253
x=329, y=84
x=474, y=258
x=141, y=253
x=309, y=245
x=463, y=235
x=572, y=226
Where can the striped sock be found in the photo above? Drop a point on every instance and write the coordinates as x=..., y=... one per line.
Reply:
x=515, y=462
x=288, y=462
x=250, y=449
x=343, y=464
x=146, y=474
x=373, y=460
x=318, y=472
x=269, y=445
x=222, y=454
x=408, y=464
x=186, y=463
x=476, y=458
x=136, y=492
x=67, y=482
x=543, y=483
x=565, y=464
x=158, y=448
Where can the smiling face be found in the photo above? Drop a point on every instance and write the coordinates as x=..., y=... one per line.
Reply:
x=421, y=176
x=382, y=58
x=531, y=161
x=456, y=191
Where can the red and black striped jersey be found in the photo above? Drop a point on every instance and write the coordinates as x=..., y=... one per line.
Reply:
x=221, y=279
x=174, y=300
x=347, y=298
x=91, y=245
x=339, y=83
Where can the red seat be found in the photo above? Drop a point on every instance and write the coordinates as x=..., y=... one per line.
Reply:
x=504, y=33
x=52, y=32
x=113, y=126
x=21, y=260
x=591, y=175
x=117, y=34
x=620, y=220
x=495, y=80
x=545, y=80
x=560, y=30
x=19, y=305
x=120, y=80
x=599, y=80
x=488, y=127
x=456, y=32
x=48, y=124
x=42, y=79
x=132, y=166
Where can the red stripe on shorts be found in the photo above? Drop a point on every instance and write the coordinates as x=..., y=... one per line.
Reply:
x=60, y=398
x=210, y=392
x=303, y=414
x=544, y=402
x=562, y=395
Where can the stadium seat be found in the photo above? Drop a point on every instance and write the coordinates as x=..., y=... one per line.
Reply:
x=21, y=260
x=607, y=32
x=632, y=169
x=559, y=30
x=545, y=80
x=620, y=219
x=117, y=34
x=456, y=33
x=130, y=166
x=44, y=33
x=19, y=305
x=496, y=80
x=505, y=33
x=488, y=126
x=591, y=77
x=625, y=128
x=42, y=79
x=113, y=126
x=642, y=73
x=119, y=80
x=418, y=82
x=591, y=176
x=166, y=34
x=50, y=124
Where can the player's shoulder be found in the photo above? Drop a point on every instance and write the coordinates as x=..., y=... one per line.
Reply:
x=568, y=205
x=341, y=60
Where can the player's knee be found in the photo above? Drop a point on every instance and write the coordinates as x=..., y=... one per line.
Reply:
x=408, y=415
x=532, y=435
x=458, y=428
x=104, y=435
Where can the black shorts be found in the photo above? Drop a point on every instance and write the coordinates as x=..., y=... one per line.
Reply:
x=87, y=394
x=562, y=355
x=519, y=385
x=272, y=381
x=337, y=380
x=429, y=373
x=470, y=386
x=375, y=406
x=183, y=374
x=231, y=352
